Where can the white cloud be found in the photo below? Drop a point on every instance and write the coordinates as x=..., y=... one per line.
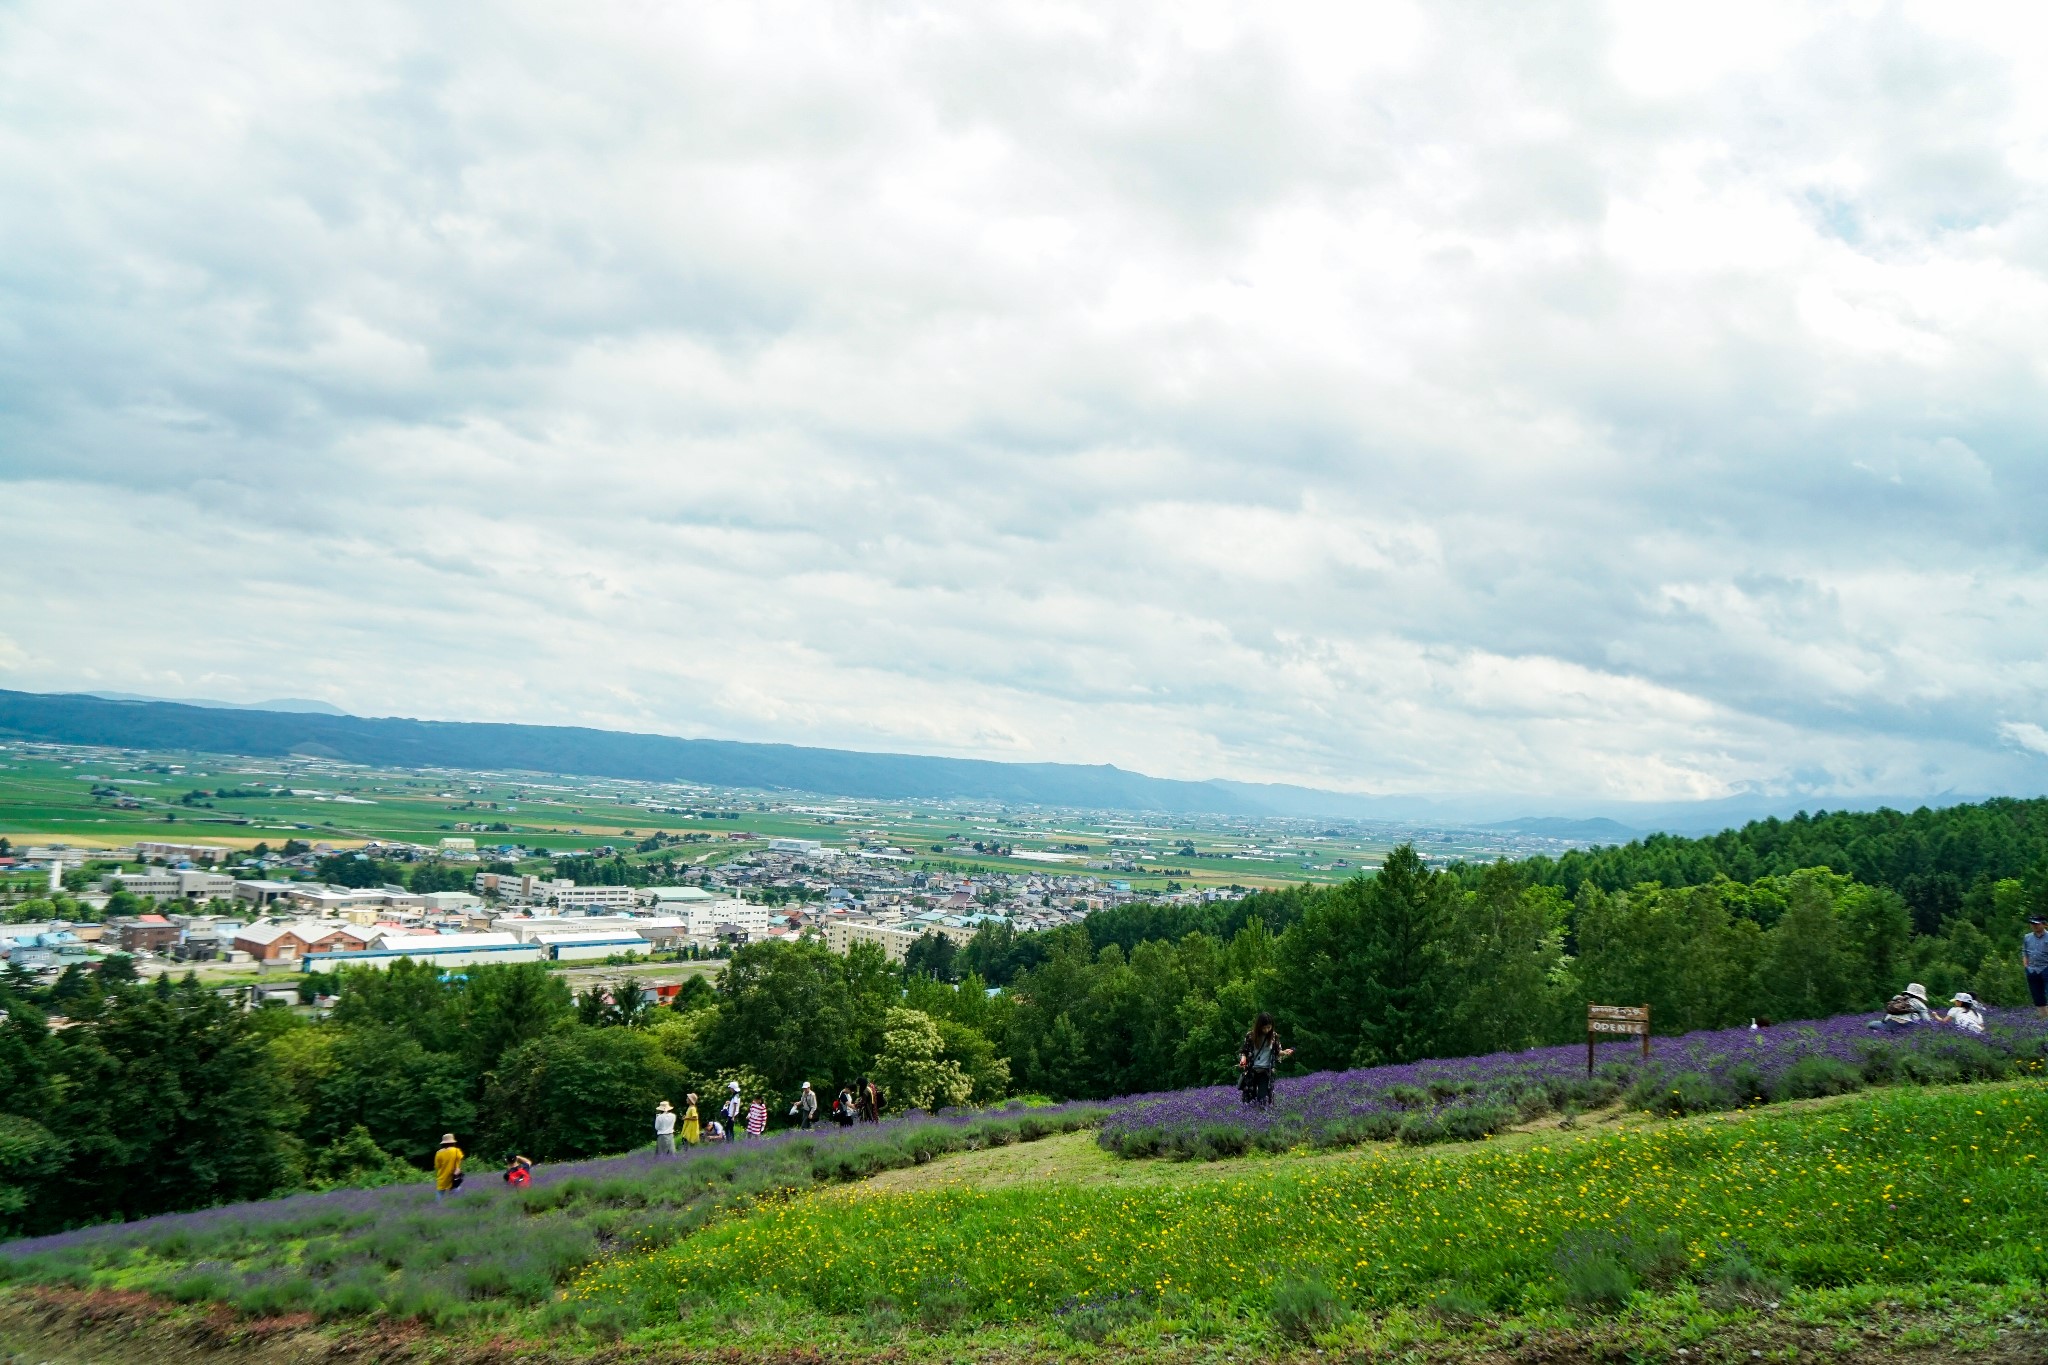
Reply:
x=2026, y=734
x=1383, y=397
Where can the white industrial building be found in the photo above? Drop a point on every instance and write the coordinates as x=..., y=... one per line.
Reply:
x=443, y=950
x=171, y=885
x=559, y=892
x=590, y=947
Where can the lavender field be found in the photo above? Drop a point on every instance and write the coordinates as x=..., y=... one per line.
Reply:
x=393, y=1250
x=1471, y=1097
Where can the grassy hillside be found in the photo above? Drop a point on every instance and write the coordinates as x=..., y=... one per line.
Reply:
x=1899, y=1219
x=1889, y=1190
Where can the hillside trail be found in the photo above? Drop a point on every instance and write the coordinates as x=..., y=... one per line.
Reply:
x=1077, y=1159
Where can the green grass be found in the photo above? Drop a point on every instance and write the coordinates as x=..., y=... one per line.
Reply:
x=1857, y=1224
x=1887, y=1190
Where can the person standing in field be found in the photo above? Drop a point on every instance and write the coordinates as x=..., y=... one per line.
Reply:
x=870, y=1101
x=664, y=1129
x=2034, y=957
x=1258, y=1057
x=447, y=1168
x=806, y=1106
x=757, y=1117
x=732, y=1109
x=691, y=1131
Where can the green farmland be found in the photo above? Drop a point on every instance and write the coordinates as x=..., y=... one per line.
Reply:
x=106, y=798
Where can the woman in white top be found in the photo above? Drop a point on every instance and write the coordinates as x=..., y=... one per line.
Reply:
x=1967, y=1014
x=664, y=1129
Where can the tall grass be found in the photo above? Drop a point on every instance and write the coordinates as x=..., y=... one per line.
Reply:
x=1896, y=1187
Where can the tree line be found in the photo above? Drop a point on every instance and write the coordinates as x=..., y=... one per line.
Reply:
x=162, y=1095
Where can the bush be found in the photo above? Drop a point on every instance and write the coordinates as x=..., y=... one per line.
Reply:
x=348, y=1299
x=1469, y=1123
x=268, y=1295
x=1458, y=1304
x=1375, y=1127
x=1815, y=1077
x=883, y=1318
x=1303, y=1308
x=1593, y=1273
x=942, y=1304
x=1420, y=1129
x=1689, y=1092
x=1738, y=1279
x=198, y=1286
x=1093, y=1320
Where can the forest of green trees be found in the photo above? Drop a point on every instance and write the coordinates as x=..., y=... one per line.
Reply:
x=162, y=1096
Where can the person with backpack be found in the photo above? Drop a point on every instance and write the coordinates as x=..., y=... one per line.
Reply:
x=520, y=1173
x=447, y=1168
x=1907, y=1008
x=1258, y=1057
x=869, y=1101
x=844, y=1107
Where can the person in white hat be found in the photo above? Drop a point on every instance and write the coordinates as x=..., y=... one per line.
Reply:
x=805, y=1110
x=733, y=1107
x=1906, y=1008
x=1965, y=1013
x=664, y=1129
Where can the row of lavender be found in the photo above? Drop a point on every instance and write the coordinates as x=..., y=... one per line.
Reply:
x=490, y=1241
x=1471, y=1097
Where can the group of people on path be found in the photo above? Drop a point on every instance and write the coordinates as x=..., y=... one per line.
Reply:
x=738, y=1117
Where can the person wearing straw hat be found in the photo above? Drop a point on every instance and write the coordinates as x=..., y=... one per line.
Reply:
x=447, y=1168
x=664, y=1129
x=1965, y=1013
x=2034, y=957
x=692, y=1131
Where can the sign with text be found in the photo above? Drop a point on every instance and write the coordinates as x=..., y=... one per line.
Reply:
x=1626, y=1020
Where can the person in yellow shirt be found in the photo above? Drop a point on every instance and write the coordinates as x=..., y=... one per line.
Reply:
x=447, y=1168
x=690, y=1125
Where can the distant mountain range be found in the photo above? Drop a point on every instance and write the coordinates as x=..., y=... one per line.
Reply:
x=316, y=729
x=299, y=705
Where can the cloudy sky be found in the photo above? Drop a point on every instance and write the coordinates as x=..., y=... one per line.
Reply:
x=1561, y=399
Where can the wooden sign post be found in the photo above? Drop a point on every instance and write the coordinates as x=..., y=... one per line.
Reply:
x=1613, y=1019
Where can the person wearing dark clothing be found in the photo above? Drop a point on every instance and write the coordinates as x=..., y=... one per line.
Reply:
x=1258, y=1057
x=869, y=1101
x=845, y=1108
x=520, y=1173
x=2034, y=958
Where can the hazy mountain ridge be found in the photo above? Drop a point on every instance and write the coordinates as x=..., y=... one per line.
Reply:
x=88, y=718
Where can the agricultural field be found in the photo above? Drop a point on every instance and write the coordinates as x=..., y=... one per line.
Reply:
x=1902, y=1221
x=106, y=798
